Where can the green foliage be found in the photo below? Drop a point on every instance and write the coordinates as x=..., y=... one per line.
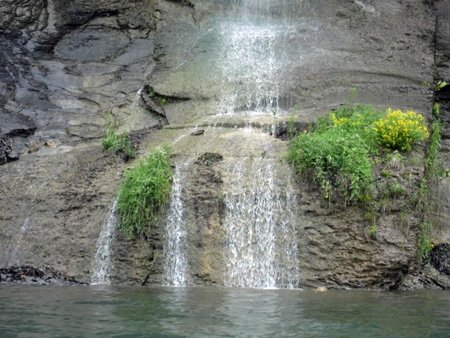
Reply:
x=144, y=193
x=163, y=101
x=209, y=158
x=292, y=129
x=340, y=151
x=392, y=189
x=160, y=100
x=117, y=143
x=425, y=243
x=337, y=153
x=399, y=130
x=440, y=85
x=373, y=230
x=436, y=109
x=431, y=161
x=386, y=173
x=394, y=158
x=372, y=216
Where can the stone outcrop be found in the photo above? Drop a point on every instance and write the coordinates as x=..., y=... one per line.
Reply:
x=66, y=66
x=34, y=276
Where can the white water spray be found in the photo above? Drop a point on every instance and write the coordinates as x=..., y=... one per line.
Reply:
x=260, y=228
x=101, y=271
x=175, y=248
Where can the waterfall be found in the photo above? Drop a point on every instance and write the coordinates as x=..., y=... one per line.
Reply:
x=253, y=43
x=250, y=69
x=260, y=228
x=175, y=250
x=101, y=270
x=260, y=222
x=257, y=229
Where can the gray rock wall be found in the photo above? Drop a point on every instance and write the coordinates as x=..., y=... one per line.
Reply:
x=65, y=67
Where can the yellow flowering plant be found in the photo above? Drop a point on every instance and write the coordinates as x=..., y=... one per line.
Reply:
x=400, y=130
x=338, y=153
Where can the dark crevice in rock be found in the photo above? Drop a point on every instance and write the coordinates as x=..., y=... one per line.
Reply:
x=286, y=131
x=154, y=102
x=13, y=127
x=440, y=258
x=183, y=3
x=7, y=153
x=443, y=99
x=442, y=61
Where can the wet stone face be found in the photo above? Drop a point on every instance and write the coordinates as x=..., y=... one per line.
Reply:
x=20, y=13
x=35, y=276
x=440, y=258
x=225, y=75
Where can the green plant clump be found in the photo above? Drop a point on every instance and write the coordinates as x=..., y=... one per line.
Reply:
x=117, y=143
x=144, y=193
x=339, y=152
x=425, y=241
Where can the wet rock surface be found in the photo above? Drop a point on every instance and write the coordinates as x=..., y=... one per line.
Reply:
x=34, y=276
x=65, y=66
x=440, y=258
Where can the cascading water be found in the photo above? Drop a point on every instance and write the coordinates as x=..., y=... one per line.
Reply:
x=254, y=56
x=250, y=58
x=175, y=248
x=256, y=229
x=101, y=270
x=260, y=228
x=259, y=211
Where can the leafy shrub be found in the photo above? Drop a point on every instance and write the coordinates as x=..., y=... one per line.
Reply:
x=399, y=130
x=337, y=153
x=144, y=193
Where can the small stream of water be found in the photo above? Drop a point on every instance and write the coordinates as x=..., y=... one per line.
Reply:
x=101, y=271
x=175, y=247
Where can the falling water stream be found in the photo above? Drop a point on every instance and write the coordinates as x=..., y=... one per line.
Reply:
x=101, y=270
x=175, y=248
x=254, y=57
x=260, y=248
x=259, y=225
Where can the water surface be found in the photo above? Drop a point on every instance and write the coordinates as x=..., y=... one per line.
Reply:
x=105, y=311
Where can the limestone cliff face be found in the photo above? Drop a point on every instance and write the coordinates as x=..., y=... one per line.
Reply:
x=65, y=65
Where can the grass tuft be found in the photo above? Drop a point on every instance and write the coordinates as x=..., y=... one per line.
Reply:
x=144, y=193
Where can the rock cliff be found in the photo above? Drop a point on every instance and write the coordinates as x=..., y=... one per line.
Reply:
x=158, y=67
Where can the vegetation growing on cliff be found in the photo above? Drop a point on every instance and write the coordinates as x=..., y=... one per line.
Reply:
x=144, y=193
x=340, y=152
x=117, y=143
x=426, y=242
